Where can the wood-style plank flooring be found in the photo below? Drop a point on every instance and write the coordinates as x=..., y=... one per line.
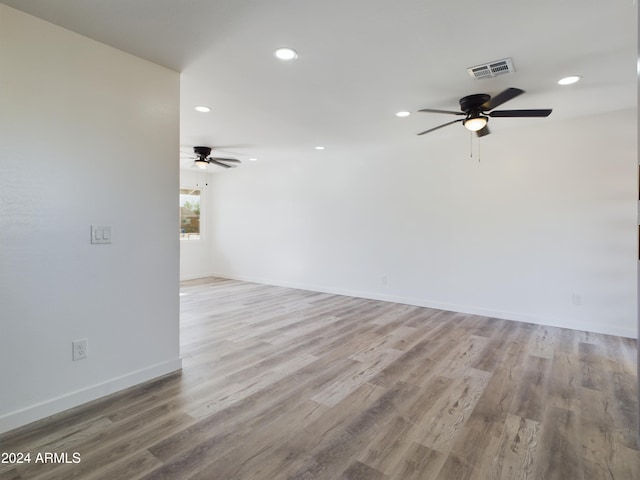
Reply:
x=280, y=383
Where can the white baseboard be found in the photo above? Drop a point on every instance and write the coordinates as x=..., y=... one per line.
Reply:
x=468, y=309
x=44, y=409
x=195, y=276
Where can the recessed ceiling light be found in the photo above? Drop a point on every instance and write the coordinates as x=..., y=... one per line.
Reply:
x=202, y=108
x=569, y=80
x=286, y=53
x=319, y=147
x=403, y=114
x=253, y=159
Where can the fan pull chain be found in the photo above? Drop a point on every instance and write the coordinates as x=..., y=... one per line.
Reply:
x=203, y=183
x=471, y=147
x=470, y=144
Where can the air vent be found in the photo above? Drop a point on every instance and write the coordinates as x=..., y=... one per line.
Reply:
x=492, y=69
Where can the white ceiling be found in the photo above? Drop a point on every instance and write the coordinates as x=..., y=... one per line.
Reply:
x=361, y=61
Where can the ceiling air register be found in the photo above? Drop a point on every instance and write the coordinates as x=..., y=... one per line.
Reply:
x=491, y=69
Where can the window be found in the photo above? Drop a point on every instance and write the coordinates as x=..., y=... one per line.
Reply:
x=189, y=214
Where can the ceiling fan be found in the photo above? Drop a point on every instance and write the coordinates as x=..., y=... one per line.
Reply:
x=203, y=159
x=477, y=108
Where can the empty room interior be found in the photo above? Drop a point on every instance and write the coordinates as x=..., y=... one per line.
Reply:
x=319, y=240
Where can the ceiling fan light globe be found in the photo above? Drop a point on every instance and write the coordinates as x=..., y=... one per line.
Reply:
x=200, y=163
x=475, y=123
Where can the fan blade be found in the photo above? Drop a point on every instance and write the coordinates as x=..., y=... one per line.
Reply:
x=432, y=110
x=502, y=97
x=222, y=159
x=211, y=160
x=483, y=131
x=521, y=113
x=440, y=126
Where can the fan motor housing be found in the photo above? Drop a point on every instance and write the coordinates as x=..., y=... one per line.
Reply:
x=473, y=103
x=202, y=151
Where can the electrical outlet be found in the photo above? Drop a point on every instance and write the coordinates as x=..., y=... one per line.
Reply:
x=80, y=348
x=577, y=299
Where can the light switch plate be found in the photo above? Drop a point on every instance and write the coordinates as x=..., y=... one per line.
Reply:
x=101, y=234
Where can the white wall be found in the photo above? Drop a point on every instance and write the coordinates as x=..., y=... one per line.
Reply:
x=88, y=135
x=196, y=255
x=546, y=216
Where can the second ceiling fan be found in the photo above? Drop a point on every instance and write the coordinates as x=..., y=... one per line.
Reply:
x=479, y=107
x=203, y=159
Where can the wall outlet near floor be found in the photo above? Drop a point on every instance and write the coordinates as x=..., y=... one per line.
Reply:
x=383, y=279
x=80, y=348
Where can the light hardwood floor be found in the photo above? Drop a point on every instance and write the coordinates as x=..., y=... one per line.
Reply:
x=288, y=384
